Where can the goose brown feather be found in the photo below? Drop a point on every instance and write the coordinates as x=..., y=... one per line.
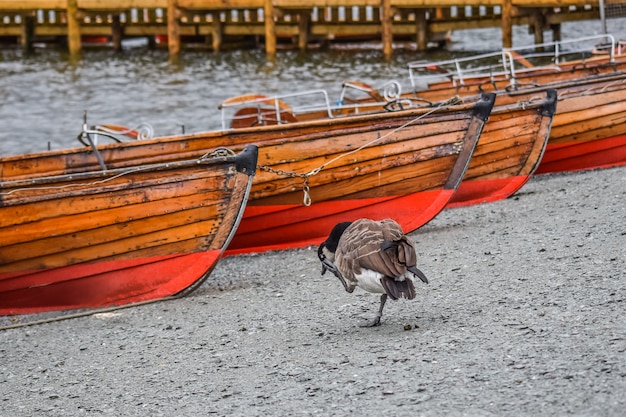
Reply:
x=379, y=246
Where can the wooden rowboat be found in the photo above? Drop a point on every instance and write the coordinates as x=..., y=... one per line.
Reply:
x=406, y=165
x=589, y=127
x=509, y=151
x=76, y=235
x=515, y=69
x=313, y=174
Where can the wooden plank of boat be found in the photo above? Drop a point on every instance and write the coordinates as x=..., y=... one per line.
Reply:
x=589, y=126
x=508, y=152
x=117, y=236
x=404, y=164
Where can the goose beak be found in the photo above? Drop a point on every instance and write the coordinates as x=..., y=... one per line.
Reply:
x=328, y=266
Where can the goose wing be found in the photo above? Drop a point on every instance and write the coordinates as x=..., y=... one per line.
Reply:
x=370, y=244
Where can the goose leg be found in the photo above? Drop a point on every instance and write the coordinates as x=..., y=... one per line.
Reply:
x=376, y=320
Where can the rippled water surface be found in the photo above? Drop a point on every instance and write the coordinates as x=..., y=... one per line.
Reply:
x=44, y=95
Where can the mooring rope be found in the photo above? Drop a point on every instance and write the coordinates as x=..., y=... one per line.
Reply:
x=85, y=184
x=219, y=152
x=86, y=313
x=305, y=176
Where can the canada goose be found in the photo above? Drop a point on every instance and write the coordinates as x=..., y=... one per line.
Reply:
x=374, y=255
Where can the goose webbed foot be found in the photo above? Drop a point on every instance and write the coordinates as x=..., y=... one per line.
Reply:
x=372, y=322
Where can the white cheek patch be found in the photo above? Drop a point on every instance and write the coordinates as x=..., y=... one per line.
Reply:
x=328, y=254
x=370, y=281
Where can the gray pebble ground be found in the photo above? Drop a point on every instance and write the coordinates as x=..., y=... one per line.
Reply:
x=525, y=315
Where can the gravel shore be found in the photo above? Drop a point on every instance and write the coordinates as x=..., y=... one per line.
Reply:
x=525, y=315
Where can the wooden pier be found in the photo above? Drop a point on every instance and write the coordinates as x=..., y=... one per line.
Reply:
x=295, y=23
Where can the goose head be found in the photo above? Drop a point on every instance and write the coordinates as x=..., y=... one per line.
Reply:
x=327, y=249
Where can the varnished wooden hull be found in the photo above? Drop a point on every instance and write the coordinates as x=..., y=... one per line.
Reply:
x=508, y=153
x=99, y=238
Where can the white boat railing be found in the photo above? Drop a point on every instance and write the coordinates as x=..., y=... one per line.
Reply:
x=512, y=62
x=390, y=90
x=457, y=70
x=266, y=106
x=580, y=48
x=277, y=109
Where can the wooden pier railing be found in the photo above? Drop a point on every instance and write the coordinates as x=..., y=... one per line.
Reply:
x=297, y=22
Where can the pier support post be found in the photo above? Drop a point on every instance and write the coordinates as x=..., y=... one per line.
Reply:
x=421, y=30
x=270, y=27
x=556, y=32
x=173, y=28
x=117, y=32
x=28, y=32
x=304, y=24
x=507, y=23
x=386, y=19
x=217, y=33
x=538, y=22
x=73, y=28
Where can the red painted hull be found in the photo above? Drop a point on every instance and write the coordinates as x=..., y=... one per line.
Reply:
x=103, y=283
x=577, y=156
x=266, y=228
x=486, y=191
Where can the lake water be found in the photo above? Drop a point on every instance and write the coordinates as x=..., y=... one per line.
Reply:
x=44, y=95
